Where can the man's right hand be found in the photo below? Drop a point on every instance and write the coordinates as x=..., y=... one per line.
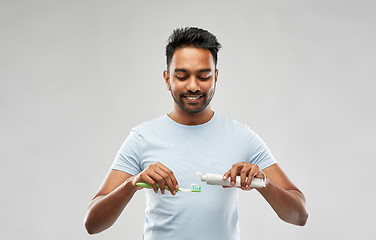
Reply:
x=118, y=189
x=159, y=174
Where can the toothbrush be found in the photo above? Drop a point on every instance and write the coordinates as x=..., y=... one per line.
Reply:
x=194, y=187
x=217, y=179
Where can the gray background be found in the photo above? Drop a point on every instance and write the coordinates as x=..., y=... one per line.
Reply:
x=76, y=76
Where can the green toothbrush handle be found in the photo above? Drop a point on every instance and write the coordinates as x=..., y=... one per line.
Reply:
x=145, y=185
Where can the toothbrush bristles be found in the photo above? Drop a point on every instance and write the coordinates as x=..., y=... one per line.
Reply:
x=194, y=188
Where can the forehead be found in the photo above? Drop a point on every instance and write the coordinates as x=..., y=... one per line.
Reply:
x=192, y=59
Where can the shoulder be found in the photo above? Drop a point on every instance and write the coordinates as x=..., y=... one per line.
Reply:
x=151, y=125
x=141, y=132
x=232, y=124
x=151, y=122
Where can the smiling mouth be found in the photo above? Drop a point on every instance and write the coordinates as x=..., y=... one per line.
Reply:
x=193, y=97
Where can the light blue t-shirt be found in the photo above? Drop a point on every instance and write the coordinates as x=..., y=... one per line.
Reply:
x=212, y=147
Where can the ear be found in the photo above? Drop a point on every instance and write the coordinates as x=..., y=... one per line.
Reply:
x=166, y=77
x=216, y=75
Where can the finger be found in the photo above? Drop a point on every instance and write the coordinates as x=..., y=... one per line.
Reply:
x=226, y=175
x=169, y=178
x=157, y=175
x=149, y=180
x=174, y=181
x=253, y=171
x=166, y=181
x=234, y=172
x=154, y=172
x=243, y=174
x=160, y=181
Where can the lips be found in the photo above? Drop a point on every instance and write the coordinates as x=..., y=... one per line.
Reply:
x=193, y=97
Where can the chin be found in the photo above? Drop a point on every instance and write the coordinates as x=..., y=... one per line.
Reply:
x=193, y=110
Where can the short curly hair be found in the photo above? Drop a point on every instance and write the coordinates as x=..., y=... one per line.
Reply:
x=191, y=37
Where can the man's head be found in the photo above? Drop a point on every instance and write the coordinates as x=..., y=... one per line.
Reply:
x=191, y=74
x=191, y=37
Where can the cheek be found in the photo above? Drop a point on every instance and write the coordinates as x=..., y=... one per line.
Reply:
x=174, y=89
x=211, y=87
x=175, y=86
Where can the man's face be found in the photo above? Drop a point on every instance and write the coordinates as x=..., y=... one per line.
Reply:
x=191, y=78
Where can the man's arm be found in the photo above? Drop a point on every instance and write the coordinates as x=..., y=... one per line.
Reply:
x=282, y=195
x=285, y=198
x=118, y=189
x=114, y=194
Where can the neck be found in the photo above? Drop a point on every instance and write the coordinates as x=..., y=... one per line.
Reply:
x=185, y=118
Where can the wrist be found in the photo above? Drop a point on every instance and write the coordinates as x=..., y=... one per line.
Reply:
x=129, y=185
x=267, y=183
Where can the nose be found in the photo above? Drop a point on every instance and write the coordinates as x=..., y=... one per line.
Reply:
x=192, y=84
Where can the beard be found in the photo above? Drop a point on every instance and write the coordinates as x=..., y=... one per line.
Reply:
x=193, y=107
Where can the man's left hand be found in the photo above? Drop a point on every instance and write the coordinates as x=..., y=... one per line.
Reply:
x=246, y=171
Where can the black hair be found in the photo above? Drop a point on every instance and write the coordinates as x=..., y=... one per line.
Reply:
x=191, y=37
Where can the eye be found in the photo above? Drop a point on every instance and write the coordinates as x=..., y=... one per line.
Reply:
x=181, y=77
x=204, y=77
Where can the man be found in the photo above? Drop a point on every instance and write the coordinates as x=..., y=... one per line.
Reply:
x=169, y=150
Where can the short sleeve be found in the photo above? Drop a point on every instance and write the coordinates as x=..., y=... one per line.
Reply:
x=128, y=157
x=259, y=154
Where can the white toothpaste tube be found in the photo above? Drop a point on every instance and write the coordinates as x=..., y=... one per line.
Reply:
x=217, y=179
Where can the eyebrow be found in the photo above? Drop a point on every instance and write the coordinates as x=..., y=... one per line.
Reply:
x=204, y=70
x=199, y=71
x=180, y=70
